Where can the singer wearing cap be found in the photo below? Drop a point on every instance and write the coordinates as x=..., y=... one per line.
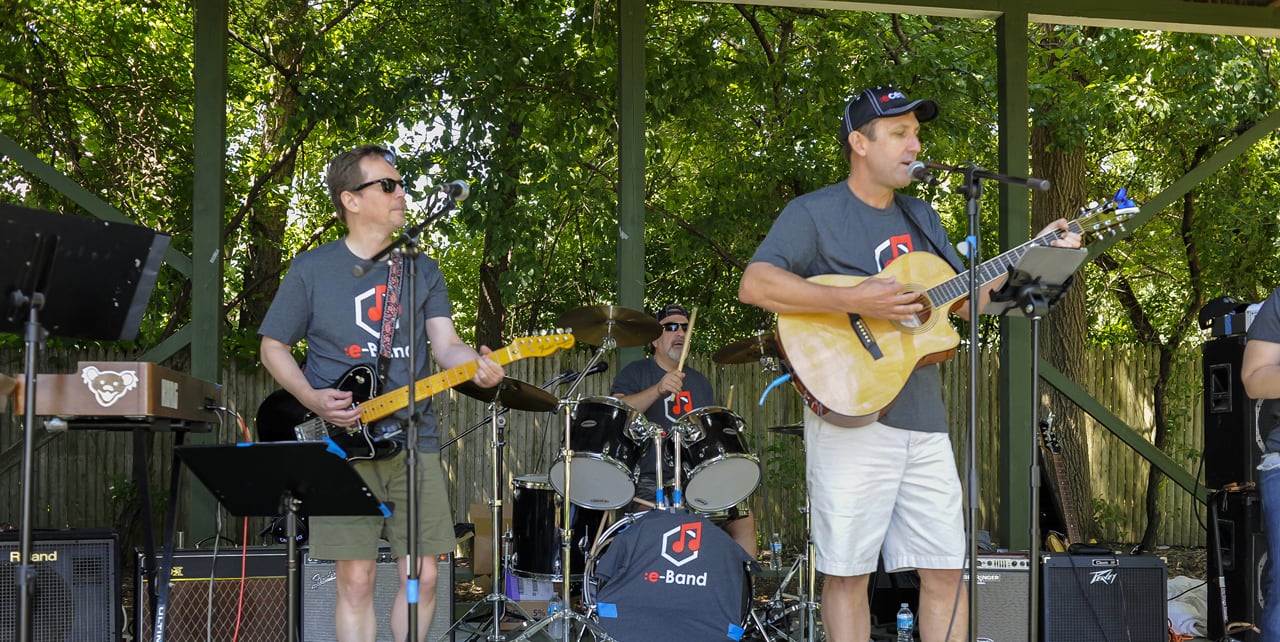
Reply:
x=350, y=321
x=889, y=487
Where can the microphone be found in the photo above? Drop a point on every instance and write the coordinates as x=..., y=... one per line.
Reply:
x=569, y=375
x=920, y=172
x=457, y=190
x=600, y=366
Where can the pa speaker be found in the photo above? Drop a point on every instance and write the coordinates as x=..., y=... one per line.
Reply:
x=1233, y=452
x=1004, y=582
x=204, y=593
x=320, y=593
x=1241, y=543
x=1107, y=597
x=75, y=596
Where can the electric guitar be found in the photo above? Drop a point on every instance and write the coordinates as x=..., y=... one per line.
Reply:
x=849, y=369
x=281, y=417
x=1049, y=440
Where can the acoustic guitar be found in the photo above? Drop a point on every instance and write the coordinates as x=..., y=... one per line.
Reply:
x=281, y=417
x=849, y=369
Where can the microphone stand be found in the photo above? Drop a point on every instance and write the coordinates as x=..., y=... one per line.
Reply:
x=407, y=246
x=972, y=189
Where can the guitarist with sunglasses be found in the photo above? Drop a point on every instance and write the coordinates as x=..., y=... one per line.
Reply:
x=350, y=321
x=890, y=485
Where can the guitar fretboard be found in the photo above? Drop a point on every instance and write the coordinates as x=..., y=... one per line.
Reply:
x=385, y=404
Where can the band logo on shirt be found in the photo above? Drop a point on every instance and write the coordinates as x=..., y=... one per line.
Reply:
x=678, y=405
x=893, y=247
x=680, y=546
x=368, y=307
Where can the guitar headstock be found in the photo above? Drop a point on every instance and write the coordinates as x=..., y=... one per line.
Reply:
x=1101, y=219
x=541, y=345
x=1048, y=437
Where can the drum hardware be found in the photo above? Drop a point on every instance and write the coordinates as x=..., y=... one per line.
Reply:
x=762, y=347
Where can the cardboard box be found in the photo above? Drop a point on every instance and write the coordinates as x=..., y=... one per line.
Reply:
x=482, y=546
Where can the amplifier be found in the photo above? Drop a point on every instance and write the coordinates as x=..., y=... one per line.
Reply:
x=1104, y=597
x=263, y=617
x=76, y=593
x=1004, y=580
x=320, y=592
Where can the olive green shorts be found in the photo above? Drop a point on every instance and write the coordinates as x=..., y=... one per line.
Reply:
x=357, y=538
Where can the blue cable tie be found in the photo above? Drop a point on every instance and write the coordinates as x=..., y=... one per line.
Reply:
x=334, y=448
x=774, y=384
x=411, y=591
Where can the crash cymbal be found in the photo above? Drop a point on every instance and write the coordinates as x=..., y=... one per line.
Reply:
x=593, y=323
x=512, y=393
x=747, y=350
x=796, y=429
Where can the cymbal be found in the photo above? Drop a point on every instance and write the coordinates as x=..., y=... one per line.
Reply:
x=592, y=323
x=796, y=429
x=512, y=393
x=747, y=350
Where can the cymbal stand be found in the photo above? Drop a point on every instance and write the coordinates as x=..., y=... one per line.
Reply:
x=497, y=597
x=566, y=616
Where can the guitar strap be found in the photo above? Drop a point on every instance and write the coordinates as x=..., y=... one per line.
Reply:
x=910, y=215
x=390, y=313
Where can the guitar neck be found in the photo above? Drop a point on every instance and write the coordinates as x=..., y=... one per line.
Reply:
x=385, y=404
x=944, y=294
x=1066, y=499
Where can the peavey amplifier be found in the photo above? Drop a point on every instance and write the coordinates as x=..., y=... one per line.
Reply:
x=320, y=591
x=76, y=593
x=1004, y=580
x=1104, y=597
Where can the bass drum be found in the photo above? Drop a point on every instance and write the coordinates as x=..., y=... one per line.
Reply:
x=535, y=526
x=718, y=469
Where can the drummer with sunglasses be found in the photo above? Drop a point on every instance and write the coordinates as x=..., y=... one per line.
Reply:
x=656, y=388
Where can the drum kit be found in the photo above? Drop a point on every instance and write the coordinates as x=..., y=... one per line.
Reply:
x=596, y=468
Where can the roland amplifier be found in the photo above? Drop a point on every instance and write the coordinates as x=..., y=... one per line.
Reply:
x=320, y=592
x=204, y=593
x=1004, y=580
x=1104, y=597
x=75, y=596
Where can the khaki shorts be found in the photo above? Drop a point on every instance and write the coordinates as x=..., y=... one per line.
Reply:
x=878, y=489
x=357, y=538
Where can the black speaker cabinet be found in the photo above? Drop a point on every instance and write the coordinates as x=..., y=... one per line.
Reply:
x=1104, y=597
x=1242, y=543
x=264, y=614
x=320, y=592
x=1232, y=444
x=76, y=593
x=1004, y=580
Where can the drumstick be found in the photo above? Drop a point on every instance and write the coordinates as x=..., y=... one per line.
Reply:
x=728, y=403
x=688, y=339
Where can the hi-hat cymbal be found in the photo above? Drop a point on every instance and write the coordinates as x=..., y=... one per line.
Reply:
x=512, y=393
x=747, y=350
x=592, y=323
x=796, y=429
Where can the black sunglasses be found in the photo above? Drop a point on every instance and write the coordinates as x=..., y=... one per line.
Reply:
x=388, y=185
x=672, y=326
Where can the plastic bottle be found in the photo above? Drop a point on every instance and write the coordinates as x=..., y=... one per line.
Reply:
x=775, y=553
x=906, y=622
x=556, y=628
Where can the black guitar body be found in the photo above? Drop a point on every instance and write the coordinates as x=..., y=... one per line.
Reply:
x=281, y=417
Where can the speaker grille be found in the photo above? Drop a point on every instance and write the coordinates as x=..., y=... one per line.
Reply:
x=1108, y=598
x=320, y=593
x=76, y=593
x=190, y=603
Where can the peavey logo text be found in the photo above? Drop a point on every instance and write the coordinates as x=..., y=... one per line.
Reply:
x=1103, y=577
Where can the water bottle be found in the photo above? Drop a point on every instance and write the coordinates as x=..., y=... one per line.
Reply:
x=775, y=553
x=906, y=622
x=556, y=628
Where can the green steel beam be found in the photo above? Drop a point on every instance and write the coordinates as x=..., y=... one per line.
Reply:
x=1015, y=334
x=80, y=196
x=631, y=162
x=1171, y=469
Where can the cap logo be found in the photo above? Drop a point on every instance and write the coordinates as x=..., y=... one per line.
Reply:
x=893, y=95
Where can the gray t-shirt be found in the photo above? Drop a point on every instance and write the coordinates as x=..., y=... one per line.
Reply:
x=1266, y=327
x=340, y=316
x=831, y=231
x=641, y=374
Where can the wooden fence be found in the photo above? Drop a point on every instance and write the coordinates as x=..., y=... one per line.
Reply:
x=82, y=478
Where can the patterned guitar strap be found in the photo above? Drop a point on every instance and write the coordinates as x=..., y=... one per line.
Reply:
x=390, y=313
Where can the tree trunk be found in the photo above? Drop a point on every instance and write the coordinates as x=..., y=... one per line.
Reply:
x=1064, y=330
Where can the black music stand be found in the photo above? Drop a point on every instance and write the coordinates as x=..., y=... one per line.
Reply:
x=1035, y=284
x=263, y=479
x=67, y=276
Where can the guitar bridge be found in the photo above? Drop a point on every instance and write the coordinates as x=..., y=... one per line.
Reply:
x=864, y=335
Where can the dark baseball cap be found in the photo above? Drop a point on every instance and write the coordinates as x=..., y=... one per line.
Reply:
x=671, y=309
x=879, y=102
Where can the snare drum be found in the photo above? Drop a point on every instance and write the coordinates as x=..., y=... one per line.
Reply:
x=601, y=435
x=535, y=526
x=718, y=469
